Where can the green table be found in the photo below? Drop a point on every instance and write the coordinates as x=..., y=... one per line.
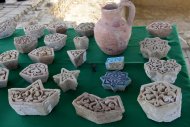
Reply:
x=63, y=115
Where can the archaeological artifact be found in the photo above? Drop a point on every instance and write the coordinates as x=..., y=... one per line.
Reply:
x=81, y=42
x=159, y=29
x=99, y=110
x=161, y=70
x=25, y=44
x=35, y=31
x=7, y=28
x=4, y=75
x=115, y=63
x=154, y=47
x=42, y=54
x=56, y=41
x=9, y=59
x=112, y=32
x=160, y=101
x=77, y=57
x=115, y=80
x=34, y=99
x=85, y=29
x=67, y=79
x=34, y=72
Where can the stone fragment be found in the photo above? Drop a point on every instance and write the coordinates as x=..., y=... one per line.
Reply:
x=35, y=31
x=67, y=79
x=154, y=47
x=34, y=72
x=9, y=59
x=161, y=70
x=77, y=57
x=52, y=28
x=85, y=29
x=99, y=110
x=25, y=44
x=34, y=99
x=160, y=101
x=42, y=54
x=7, y=27
x=159, y=29
x=81, y=42
x=4, y=74
x=56, y=41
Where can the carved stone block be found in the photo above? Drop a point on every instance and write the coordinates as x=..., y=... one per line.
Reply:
x=160, y=101
x=77, y=57
x=4, y=74
x=54, y=26
x=25, y=44
x=56, y=41
x=81, y=42
x=115, y=63
x=34, y=99
x=9, y=59
x=115, y=80
x=154, y=47
x=36, y=31
x=34, y=72
x=7, y=28
x=161, y=70
x=99, y=110
x=42, y=54
x=67, y=79
x=85, y=29
x=159, y=29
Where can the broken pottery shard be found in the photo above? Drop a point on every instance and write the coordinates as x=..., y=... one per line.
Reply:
x=85, y=29
x=99, y=110
x=67, y=79
x=34, y=72
x=7, y=28
x=81, y=42
x=154, y=47
x=34, y=99
x=56, y=41
x=161, y=70
x=4, y=74
x=25, y=44
x=77, y=57
x=42, y=54
x=9, y=59
x=35, y=31
x=54, y=26
x=159, y=29
x=115, y=80
x=115, y=63
x=160, y=101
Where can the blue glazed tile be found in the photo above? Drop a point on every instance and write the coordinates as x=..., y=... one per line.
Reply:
x=115, y=63
x=115, y=80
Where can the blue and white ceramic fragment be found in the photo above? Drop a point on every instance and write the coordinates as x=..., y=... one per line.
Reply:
x=115, y=80
x=115, y=63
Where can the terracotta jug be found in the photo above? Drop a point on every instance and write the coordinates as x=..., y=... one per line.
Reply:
x=112, y=32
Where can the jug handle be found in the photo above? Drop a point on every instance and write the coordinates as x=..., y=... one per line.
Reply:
x=132, y=10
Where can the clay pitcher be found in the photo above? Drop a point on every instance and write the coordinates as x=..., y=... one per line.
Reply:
x=112, y=32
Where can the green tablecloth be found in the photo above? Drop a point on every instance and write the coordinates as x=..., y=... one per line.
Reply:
x=63, y=115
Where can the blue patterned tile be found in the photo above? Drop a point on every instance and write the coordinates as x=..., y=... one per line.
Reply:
x=115, y=80
x=115, y=63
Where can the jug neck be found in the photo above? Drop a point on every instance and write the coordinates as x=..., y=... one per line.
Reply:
x=111, y=11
